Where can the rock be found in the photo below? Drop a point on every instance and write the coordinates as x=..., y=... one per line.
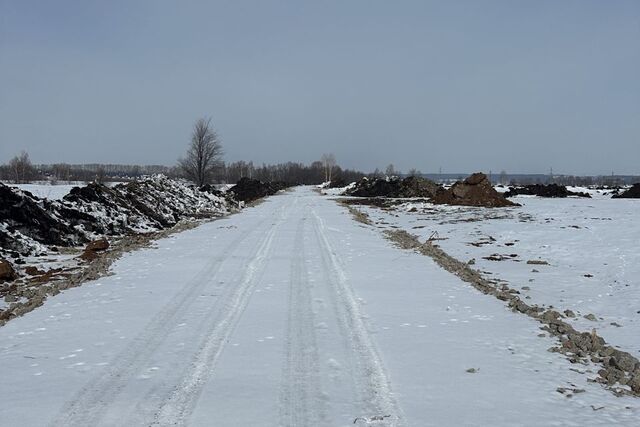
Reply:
x=98, y=245
x=7, y=272
x=591, y=317
x=473, y=370
x=569, y=313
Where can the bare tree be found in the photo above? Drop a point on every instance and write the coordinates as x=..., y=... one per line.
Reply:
x=390, y=170
x=503, y=177
x=21, y=168
x=101, y=175
x=328, y=162
x=414, y=172
x=204, y=153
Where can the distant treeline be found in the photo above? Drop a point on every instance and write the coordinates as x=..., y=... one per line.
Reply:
x=23, y=171
x=291, y=172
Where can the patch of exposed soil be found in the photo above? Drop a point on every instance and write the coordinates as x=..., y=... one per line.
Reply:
x=540, y=190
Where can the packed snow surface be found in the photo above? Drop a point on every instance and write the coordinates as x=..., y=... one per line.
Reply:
x=290, y=313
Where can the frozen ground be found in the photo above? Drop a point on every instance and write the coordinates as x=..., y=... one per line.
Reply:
x=591, y=246
x=290, y=314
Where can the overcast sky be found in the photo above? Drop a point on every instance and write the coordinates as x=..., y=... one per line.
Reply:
x=463, y=85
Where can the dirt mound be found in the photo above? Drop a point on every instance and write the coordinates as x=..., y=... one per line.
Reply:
x=152, y=204
x=29, y=224
x=476, y=190
x=248, y=190
x=540, y=190
x=337, y=183
x=27, y=221
x=208, y=188
x=394, y=187
x=631, y=193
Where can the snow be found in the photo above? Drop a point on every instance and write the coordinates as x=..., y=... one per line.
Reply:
x=292, y=313
x=46, y=191
x=579, y=238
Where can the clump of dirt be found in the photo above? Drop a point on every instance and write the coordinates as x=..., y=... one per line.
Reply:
x=394, y=187
x=91, y=251
x=7, y=272
x=475, y=190
x=631, y=193
x=248, y=190
x=540, y=190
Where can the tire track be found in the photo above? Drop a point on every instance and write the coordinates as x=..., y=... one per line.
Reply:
x=90, y=404
x=300, y=395
x=367, y=371
x=176, y=410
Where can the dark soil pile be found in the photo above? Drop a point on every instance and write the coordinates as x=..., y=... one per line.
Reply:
x=540, y=190
x=476, y=190
x=337, y=183
x=29, y=224
x=27, y=221
x=631, y=193
x=248, y=190
x=394, y=187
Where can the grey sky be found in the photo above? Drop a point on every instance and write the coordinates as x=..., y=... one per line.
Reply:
x=465, y=85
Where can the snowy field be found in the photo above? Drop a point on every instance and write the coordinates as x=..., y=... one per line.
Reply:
x=290, y=313
x=46, y=191
x=49, y=191
x=591, y=246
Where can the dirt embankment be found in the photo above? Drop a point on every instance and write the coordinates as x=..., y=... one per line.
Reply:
x=540, y=190
x=394, y=187
x=618, y=368
x=631, y=193
x=30, y=225
x=248, y=190
x=476, y=190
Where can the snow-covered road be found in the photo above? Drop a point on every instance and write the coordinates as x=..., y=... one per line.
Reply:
x=287, y=314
